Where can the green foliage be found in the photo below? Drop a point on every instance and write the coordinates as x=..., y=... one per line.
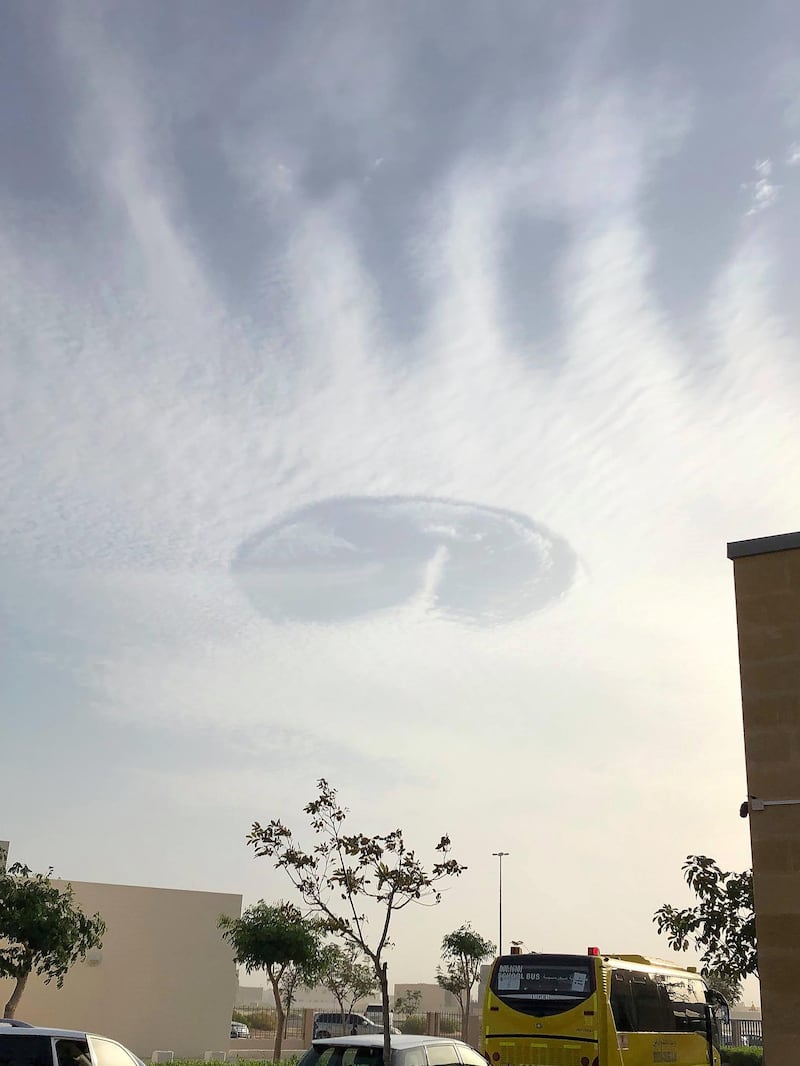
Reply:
x=291, y=1061
x=729, y=987
x=742, y=1056
x=408, y=1002
x=721, y=926
x=42, y=930
x=344, y=974
x=463, y=951
x=264, y=1020
x=414, y=1025
x=270, y=937
x=278, y=939
x=448, y=1025
x=344, y=871
x=350, y=866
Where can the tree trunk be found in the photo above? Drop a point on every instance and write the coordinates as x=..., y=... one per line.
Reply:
x=465, y=1005
x=16, y=995
x=276, y=992
x=383, y=980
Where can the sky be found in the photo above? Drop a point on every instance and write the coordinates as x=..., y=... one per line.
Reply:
x=380, y=387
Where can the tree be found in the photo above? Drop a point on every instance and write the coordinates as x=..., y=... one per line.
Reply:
x=463, y=951
x=274, y=937
x=408, y=1003
x=292, y=978
x=345, y=872
x=344, y=975
x=729, y=987
x=721, y=926
x=42, y=930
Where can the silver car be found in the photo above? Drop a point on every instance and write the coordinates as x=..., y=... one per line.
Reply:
x=332, y=1023
x=22, y=1044
x=406, y=1051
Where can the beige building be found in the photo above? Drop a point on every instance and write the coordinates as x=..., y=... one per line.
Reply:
x=767, y=581
x=250, y=996
x=164, y=979
x=434, y=997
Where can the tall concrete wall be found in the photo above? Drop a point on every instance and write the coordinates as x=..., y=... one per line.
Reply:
x=163, y=980
x=767, y=582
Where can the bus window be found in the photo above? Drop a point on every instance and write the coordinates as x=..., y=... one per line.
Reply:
x=651, y=1004
x=543, y=985
x=687, y=997
x=622, y=1001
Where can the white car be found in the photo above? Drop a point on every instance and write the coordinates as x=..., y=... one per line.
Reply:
x=22, y=1044
x=406, y=1051
x=332, y=1023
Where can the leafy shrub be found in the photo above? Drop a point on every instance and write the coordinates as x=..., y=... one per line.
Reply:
x=449, y=1026
x=292, y=1061
x=264, y=1019
x=414, y=1025
x=742, y=1056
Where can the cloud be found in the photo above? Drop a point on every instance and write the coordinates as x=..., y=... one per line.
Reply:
x=343, y=558
x=764, y=191
x=234, y=329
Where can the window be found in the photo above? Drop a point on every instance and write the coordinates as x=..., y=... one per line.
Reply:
x=413, y=1056
x=470, y=1057
x=25, y=1050
x=363, y=1056
x=109, y=1053
x=687, y=998
x=641, y=1003
x=73, y=1053
x=652, y=1006
x=328, y=1057
x=544, y=984
x=442, y=1055
x=622, y=1001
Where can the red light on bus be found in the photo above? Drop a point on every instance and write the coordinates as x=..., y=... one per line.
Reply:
x=594, y=951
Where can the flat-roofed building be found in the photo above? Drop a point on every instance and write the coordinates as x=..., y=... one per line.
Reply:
x=164, y=979
x=767, y=583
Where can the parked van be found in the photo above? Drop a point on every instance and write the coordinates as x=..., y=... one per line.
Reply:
x=375, y=1014
x=332, y=1023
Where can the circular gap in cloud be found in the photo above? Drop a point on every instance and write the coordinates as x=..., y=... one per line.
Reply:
x=340, y=559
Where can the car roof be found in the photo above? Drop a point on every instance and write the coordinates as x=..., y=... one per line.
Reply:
x=24, y=1029
x=40, y=1030
x=396, y=1041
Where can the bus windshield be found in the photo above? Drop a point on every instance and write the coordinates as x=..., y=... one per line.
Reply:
x=543, y=984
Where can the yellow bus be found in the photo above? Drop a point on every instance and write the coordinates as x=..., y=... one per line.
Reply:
x=599, y=1010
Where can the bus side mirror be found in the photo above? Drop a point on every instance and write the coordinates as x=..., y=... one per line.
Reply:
x=719, y=1005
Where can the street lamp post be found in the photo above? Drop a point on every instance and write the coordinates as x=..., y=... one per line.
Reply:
x=500, y=856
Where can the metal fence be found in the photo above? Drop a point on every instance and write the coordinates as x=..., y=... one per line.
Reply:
x=446, y=1023
x=738, y=1032
x=742, y=1032
x=262, y=1020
